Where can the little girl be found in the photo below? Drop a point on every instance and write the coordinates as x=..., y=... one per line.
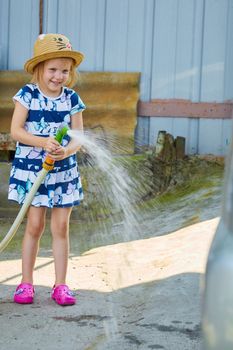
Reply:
x=40, y=108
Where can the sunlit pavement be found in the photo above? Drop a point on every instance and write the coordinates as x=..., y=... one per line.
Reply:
x=143, y=294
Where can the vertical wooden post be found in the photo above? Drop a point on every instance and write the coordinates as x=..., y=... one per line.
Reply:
x=180, y=147
x=41, y=16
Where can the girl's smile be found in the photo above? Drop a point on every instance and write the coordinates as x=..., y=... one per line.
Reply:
x=55, y=75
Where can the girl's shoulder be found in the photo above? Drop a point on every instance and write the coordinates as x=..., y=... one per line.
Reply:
x=74, y=99
x=25, y=95
x=29, y=87
x=69, y=91
x=29, y=90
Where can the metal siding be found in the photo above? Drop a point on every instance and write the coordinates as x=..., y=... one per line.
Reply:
x=50, y=16
x=157, y=124
x=197, y=49
x=228, y=79
x=146, y=73
x=84, y=24
x=100, y=35
x=214, y=48
x=183, y=52
x=183, y=49
x=226, y=135
x=69, y=20
x=142, y=131
x=181, y=128
x=184, y=127
x=192, y=142
x=80, y=28
x=202, y=136
x=210, y=137
x=91, y=34
x=164, y=45
x=21, y=37
x=135, y=35
x=115, y=51
x=4, y=16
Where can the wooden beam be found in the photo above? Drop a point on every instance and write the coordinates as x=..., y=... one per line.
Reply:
x=185, y=108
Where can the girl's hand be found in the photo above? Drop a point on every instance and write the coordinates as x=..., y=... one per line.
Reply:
x=59, y=154
x=51, y=145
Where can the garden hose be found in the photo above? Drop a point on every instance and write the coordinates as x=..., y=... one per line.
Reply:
x=47, y=165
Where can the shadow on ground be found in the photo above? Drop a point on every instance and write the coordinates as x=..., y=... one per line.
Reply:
x=158, y=315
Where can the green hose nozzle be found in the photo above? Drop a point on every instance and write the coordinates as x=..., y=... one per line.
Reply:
x=61, y=132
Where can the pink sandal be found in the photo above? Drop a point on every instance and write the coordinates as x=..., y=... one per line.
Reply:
x=24, y=293
x=63, y=295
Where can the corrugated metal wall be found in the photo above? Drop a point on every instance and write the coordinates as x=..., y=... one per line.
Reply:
x=183, y=48
x=19, y=27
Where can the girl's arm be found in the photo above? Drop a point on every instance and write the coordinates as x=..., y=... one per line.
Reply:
x=76, y=124
x=18, y=133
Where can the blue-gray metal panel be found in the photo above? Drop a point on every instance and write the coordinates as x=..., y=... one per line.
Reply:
x=157, y=124
x=71, y=25
x=226, y=134
x=4, y=30
x=203, y=136
x=164, y=44
x=214, y=48
x=197, y=50
x=146, y=76
x=181, y=128
x=69, y=20
x=135, y=34
x=228, y=78
x=84, y=24
x=90, y=37
x=168, y=41
x=142, y=131
x=184, y=50
x=192, y=142
x=50, y=16
x=210, y=136
x=99, y=35
x=116, y=35
x=186, y=127
x=23, y=31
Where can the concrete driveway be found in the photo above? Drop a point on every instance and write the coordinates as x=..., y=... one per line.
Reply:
x=143, y=294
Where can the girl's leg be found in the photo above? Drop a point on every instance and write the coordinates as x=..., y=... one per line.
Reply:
x=34, y=229
x=60, y=218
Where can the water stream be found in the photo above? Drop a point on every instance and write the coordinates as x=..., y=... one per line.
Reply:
x=122, y=191
x=118, y=189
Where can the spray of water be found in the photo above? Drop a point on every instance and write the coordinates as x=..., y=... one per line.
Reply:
x=119, y=190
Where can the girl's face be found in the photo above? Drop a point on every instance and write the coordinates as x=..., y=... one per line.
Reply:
x=55, y=74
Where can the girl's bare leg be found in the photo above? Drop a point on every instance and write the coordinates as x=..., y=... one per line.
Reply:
x=34, y=229
x=60, y=219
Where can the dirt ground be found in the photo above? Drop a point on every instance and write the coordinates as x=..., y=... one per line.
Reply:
x=143, y=294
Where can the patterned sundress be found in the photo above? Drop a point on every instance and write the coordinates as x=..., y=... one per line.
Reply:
x=62, y=186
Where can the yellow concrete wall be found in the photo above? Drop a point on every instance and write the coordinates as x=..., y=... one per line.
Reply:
x=111, y=100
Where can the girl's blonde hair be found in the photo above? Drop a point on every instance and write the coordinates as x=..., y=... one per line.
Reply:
x=39, y=70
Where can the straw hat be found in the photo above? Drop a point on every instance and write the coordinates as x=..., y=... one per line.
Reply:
x=50, y=46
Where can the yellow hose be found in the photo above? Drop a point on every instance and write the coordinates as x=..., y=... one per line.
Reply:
x=47, y=165
x=19, y=218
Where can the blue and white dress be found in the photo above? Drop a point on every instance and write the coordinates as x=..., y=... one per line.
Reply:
x=62, y=186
